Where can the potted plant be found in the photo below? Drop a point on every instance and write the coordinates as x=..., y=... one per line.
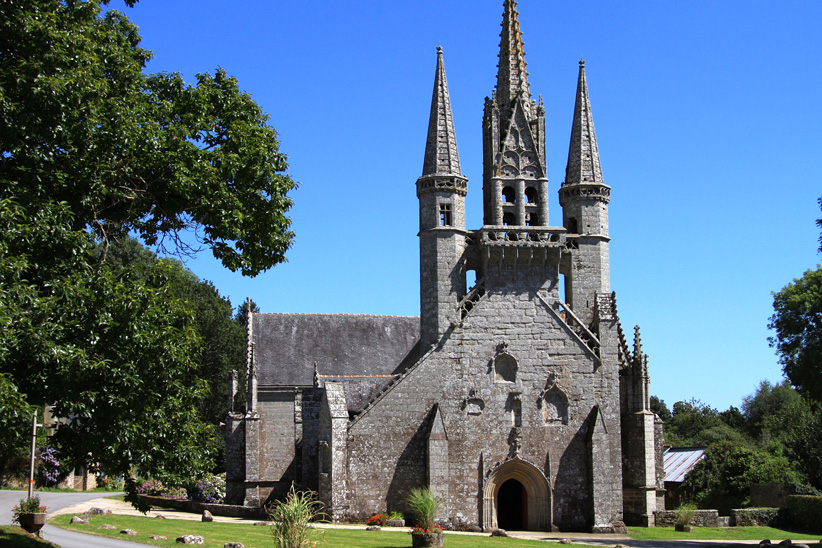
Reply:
x=30, y=514
x=423, y=504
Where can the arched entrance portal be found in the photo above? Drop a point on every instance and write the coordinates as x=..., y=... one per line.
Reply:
x=512, y=506
x=517, y=496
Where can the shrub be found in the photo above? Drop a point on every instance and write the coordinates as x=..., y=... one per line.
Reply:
x=804, y=512
x=396, y=516
x=378, y=519
x=49, y=471
x=291, y=519
x=152, y=488
x=423, y=504
x=211, y=490
x=685, y=513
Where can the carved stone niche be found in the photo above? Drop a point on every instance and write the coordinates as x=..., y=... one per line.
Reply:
x=505, y=368
x=474, y=406
x=554, y=405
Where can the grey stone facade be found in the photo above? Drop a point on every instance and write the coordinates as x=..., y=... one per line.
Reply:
x=519, y=410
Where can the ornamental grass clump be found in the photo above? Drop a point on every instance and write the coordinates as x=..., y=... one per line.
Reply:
x=685, y=514
x=292, y=518
x=423, y=505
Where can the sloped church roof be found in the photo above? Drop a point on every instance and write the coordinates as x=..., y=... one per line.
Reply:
x=288, y=346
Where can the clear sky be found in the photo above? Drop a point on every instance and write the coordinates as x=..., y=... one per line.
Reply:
x=708, y=121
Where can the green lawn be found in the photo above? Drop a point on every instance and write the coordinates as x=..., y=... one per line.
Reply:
x=12, y=536
x=719, y=533
x=217, y=534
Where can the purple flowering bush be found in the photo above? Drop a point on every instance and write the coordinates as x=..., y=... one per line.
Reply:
x=49, y=470
x=155, y=488
x=211, y=490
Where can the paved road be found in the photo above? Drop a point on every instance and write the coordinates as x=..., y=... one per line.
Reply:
x=61, y=537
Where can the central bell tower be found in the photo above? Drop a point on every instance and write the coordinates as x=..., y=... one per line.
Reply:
x=514, y=184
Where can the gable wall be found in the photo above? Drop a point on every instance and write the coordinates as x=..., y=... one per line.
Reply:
x=387, y=444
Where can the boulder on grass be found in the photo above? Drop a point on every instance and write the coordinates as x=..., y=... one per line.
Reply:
x=129, y=532
x=79, y=520
x=190, y=539
x=207, y=516
x=95, y=511
x=499, y=533
x=233, y=545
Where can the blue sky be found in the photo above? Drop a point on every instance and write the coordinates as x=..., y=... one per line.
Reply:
x=708, y=121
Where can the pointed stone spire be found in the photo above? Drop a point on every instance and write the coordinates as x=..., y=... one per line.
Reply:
x=512, y=78
x=441, y=156
x=583, y=154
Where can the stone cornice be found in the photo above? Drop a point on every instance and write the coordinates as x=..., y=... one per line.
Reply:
x=584, y=191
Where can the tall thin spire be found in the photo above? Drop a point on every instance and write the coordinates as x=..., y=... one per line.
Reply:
x=441, y=155
x=583, y=154
x=512, y=78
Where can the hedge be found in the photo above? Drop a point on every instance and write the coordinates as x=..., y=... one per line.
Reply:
x=804, y=512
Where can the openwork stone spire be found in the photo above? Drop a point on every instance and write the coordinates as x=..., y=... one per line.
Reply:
x=583, y=154
x=512, y=78
x=441, y=156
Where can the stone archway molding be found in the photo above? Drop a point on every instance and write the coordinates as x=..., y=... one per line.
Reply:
x=537, y=488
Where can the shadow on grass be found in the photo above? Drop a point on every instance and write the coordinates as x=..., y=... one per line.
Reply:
x=12, y=536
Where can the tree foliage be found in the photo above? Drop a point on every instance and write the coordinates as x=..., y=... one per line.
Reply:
x=797, y=320
x=128, y=347
x=723, y=478
x=82, y=124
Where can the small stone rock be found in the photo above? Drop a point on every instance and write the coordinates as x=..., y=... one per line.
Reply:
x=95, y=511
x=79, y=520
x=499, y=533
x=190, y=539
x=233, y=545
x=766, y=542
x=395, y=523
x=565, y=541
x=373, y=528
x=130, y=532
x=263, y=523
x=159, y=516
x=157, y=537
x=207, y=516
x=107, y=526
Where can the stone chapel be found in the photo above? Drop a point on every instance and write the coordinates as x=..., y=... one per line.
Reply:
x=519, y=410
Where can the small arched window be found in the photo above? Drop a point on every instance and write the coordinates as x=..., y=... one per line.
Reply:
x=509, y=195
x=531, y=195
x=508, y=219
x=572, y=225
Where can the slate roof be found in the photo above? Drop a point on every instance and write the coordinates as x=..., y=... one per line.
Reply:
x=679, y=461
x=286, y=346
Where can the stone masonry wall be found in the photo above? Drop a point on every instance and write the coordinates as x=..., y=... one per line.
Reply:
x=485, y=424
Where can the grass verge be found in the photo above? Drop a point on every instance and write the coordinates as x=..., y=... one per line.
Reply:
x=729, y=534
x=217, y=534
x=12, y=536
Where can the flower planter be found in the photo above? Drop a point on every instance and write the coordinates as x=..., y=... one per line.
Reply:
x=422, y=540
x=32, y=522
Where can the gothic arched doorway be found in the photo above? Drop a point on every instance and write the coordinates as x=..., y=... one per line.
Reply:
x=517, y=493
x=512, y=506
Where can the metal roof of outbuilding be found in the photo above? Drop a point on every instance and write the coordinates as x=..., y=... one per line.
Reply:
x=678, y=461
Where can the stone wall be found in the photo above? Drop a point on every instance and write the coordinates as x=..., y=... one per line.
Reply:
x=702, y=518
x=492, y=416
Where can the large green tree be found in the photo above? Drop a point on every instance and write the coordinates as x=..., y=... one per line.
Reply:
x=82, y=124
x=93, y=148
x=797, y=320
